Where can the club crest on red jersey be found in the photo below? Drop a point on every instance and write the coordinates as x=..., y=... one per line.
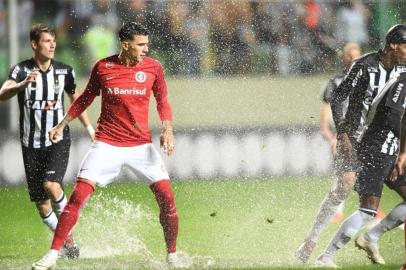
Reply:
x=140, y=76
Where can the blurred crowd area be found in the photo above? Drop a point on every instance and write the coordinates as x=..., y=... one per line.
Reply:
x=211, y=37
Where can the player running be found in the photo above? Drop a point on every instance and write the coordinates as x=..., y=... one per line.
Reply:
x=343, y=181
x=40, y=83
x=365, y=79
x=375, y=146
x=125, y=82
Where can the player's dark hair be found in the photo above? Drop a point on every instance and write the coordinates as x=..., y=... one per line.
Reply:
x=39, y=28
x=396, y=34
x=131, y=29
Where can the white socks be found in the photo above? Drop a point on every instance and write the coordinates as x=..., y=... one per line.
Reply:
x=50, y=220
x=392, y=220
x=349, y=228
x=59, y=204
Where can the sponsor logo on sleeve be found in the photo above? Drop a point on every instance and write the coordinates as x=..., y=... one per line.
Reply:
x=397, y=93
x=15, y=72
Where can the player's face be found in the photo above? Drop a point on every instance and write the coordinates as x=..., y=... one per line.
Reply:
x=137, y=48
x=400, y=53
x=45, y=47
x=350, y=55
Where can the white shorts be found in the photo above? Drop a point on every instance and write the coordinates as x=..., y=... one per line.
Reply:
x=103, y=162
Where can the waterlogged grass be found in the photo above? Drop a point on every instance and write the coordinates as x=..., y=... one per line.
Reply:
x=252, y=224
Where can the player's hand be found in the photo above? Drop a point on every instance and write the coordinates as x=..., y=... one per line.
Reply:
x=55, y=134
x=167, y=140
x=344, y=145
x=30, y=78
x=399, y=168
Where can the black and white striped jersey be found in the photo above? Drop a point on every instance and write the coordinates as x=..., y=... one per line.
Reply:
x=365, y=79
x=382, y=131
x=41, y=103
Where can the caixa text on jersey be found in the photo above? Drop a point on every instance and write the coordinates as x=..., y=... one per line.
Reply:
x=47, y=105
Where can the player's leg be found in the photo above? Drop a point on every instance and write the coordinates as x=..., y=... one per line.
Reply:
x=102, y=162
x=369, y=187
x=56, y=160
x=34, y=170
x=343, y=185
x=80, y=194
x=146, y=160
x=392, y=220
x=47, y=214
x=349, y=228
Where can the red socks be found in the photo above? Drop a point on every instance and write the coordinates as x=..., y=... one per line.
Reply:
x=81, y=193
x=168, y=216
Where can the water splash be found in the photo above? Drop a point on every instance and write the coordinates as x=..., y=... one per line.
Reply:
x=110, y=226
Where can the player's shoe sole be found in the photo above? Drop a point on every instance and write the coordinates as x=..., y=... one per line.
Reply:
x=372, y=250
x=305, y=250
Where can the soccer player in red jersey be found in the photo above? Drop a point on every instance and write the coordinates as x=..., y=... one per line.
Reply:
x=125, y=82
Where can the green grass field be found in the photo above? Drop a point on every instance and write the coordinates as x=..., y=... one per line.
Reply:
x=252, y=224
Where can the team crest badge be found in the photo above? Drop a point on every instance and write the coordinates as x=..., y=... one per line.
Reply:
x=57, y=87
x=140, y=77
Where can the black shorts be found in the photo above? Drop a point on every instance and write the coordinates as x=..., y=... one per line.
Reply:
x=45, y=164
x=375, y=171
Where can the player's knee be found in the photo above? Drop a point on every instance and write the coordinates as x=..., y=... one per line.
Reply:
x=164, y=195
x=44, y=207
x=52, y=187
x=338, y=195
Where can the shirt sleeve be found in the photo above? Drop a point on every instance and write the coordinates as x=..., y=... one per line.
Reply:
x=70, y=83
x=160, y=91
x=397, y=96
x=349, y=86
x=86, y=98
x=16, y=74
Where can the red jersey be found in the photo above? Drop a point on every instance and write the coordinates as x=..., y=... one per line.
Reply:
x=125, y=92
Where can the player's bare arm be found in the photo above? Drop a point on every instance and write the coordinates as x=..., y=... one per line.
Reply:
x=56, y=132
x=167, y=139
x=344, y=145
x=84, y=118
x=10, y=88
